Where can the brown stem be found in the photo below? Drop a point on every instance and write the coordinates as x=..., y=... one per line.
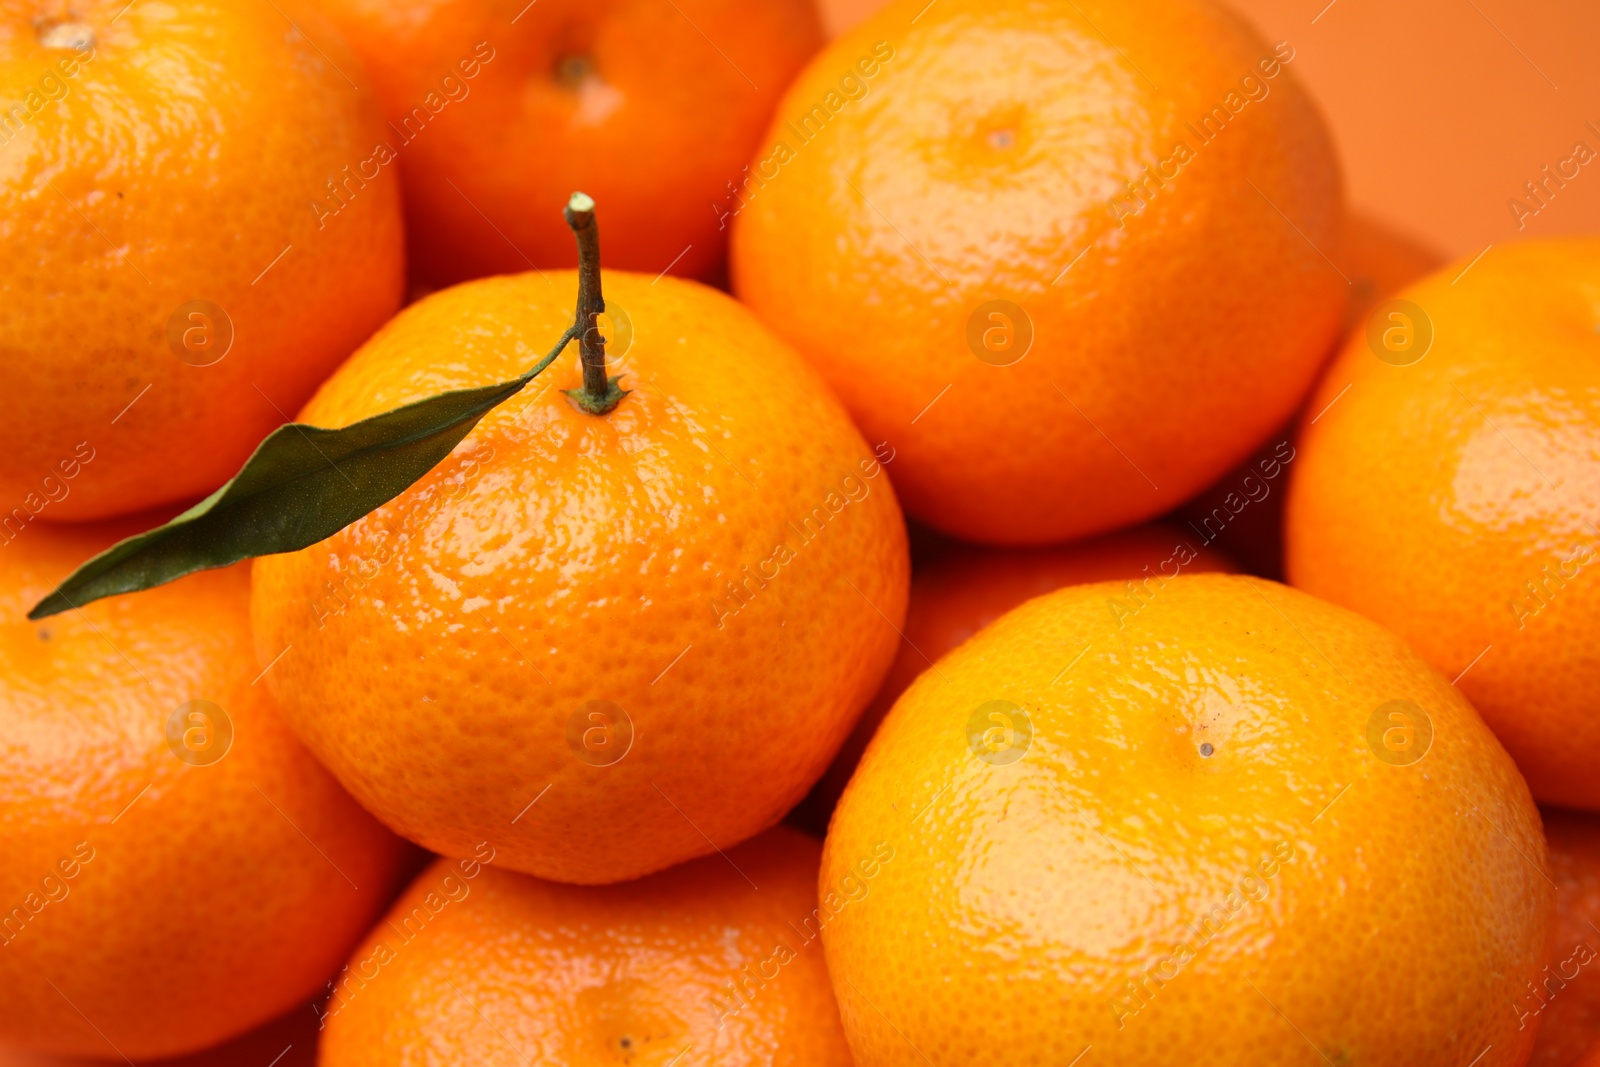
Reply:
x=599, y=393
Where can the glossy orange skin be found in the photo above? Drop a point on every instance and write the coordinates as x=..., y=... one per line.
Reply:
x=236, y=886
x=179, y=165
x=1044, y=888
x=559, y=557
x=993, y=145
x=967, y=587
x=650, y=106
x=506, y=969
x=1564, y=1001
x=1430, y=496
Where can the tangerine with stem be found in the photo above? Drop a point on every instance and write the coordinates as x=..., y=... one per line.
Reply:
x=716, y=567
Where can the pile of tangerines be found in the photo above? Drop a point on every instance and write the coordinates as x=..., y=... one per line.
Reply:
x=889, y=664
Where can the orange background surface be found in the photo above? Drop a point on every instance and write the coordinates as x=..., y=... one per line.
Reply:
x=1441, y=109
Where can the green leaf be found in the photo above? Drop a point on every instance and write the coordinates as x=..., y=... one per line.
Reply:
x=301, y=485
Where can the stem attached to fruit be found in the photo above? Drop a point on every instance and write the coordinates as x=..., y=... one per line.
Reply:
x=599, y=393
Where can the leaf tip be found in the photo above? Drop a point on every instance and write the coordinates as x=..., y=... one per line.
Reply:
x=54, y=604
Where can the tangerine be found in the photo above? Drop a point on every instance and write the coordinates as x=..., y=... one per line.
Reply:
x=1238, y=820
x=1071, y=268
x=653, y=106
x=1447, y=490
x=714, y=961
x=176, y=868
x=606, y=643
x=174, y=292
